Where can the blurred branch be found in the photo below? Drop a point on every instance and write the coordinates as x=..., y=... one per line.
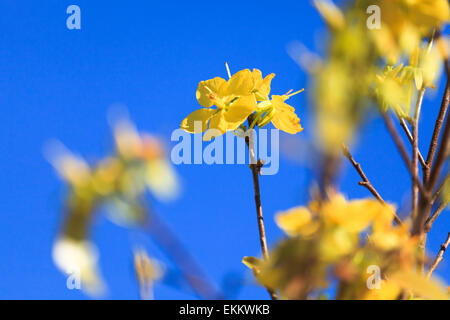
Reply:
x=188, y=266
x=365, y=182
x=439, y=257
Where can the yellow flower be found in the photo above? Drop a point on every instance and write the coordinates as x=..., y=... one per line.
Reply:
x=79, y=257
x=354, y=216
x=393, y=237
x=394, y=88
x=70, y=167
x=262, y=86
x=148, y=271
x=233, y=100
x=280, y=114
x=297, y=221
x=337, y=242
x=419, y=285
x=150, y=154
x=388, y=291
x=331, y=13
x=405, y=22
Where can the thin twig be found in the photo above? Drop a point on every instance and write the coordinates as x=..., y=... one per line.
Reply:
x=439, y=190
x=415, y=153
x=435, y=215
x=439, y=257
x=255, y=166
x=365, y=182
x=410, y=138
x=402, y=149
x=437, y=130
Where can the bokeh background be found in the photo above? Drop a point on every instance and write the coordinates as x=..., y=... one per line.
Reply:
x=150, y=56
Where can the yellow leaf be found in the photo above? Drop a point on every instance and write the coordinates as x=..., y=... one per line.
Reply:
x=252, y=263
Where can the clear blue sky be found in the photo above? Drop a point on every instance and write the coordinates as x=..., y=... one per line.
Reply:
x=150, y=56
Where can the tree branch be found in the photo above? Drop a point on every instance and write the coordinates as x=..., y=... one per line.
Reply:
x=415, y=153
x=439, y=257
x=435, y=215
x=401, y=148
x=437, y=130
x=365, y=182
x=255, y=166
x=410, y=138
x=439, y=190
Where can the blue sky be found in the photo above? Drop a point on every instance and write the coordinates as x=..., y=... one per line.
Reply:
x=150, y=56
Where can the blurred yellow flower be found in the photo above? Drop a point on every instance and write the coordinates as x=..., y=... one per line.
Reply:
x=147, y=272
x=393, y=88
x=78, y=259
x=388, y=291
x=330, y=13
x=297, y=221
x=116, y=182
x=406, y=22
x=70, y=167
x=354, y=216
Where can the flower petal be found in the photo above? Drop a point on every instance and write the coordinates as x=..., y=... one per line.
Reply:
x=210, y=89
x=296, y=221
x=217, y=126
x=287, y=122
x=201, y=117
x=241, y=83
x=239, y=111
x=262, y=86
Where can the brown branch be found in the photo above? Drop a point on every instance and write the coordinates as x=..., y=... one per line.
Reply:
x=365, y=182
x=437, y=130
x=415, y=153
x=441, y=156
x=439, y=257
x=435, y=215
x=425, y=204
x=439, y=190
x=410, y=138
x=255, y=166
x=404, y=154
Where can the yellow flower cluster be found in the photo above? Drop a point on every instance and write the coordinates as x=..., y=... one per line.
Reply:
x=117, y=182
x=397, y=85
x=406, y=22
x=345, y=79
x=228, y=104
x=338, y=242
